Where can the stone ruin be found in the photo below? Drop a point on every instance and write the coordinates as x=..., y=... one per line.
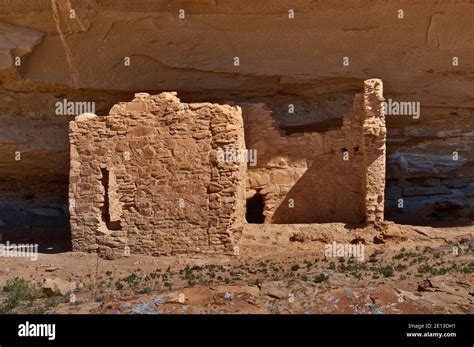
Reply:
x=150, y=177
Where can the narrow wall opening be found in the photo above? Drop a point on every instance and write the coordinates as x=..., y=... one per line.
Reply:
x=255, y=207
x=111, y=223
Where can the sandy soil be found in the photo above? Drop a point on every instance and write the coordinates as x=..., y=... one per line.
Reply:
x=278, y=269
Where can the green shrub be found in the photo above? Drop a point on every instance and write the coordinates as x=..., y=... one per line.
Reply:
x=321, y=278
x=17, y=290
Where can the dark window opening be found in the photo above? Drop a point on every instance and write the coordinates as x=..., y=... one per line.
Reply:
x=111, y=225
x=255, y=206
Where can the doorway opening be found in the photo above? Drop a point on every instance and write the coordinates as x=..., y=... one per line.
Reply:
x=255, y=207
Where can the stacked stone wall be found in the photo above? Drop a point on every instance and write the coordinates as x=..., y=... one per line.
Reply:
x=147, y=179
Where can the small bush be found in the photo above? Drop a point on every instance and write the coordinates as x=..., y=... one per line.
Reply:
x=386, y=271
x=400, y=267
x=17, y=290
x=132, y=280
x=321, y=278
x=295, y=267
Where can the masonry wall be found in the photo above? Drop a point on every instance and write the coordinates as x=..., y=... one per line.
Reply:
x=375, y=133
x=147, y=177
x=333, y=176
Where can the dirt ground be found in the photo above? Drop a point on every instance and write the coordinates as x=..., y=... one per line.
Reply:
x=276, y=269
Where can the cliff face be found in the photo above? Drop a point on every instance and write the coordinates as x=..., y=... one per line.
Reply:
x=245, y=51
